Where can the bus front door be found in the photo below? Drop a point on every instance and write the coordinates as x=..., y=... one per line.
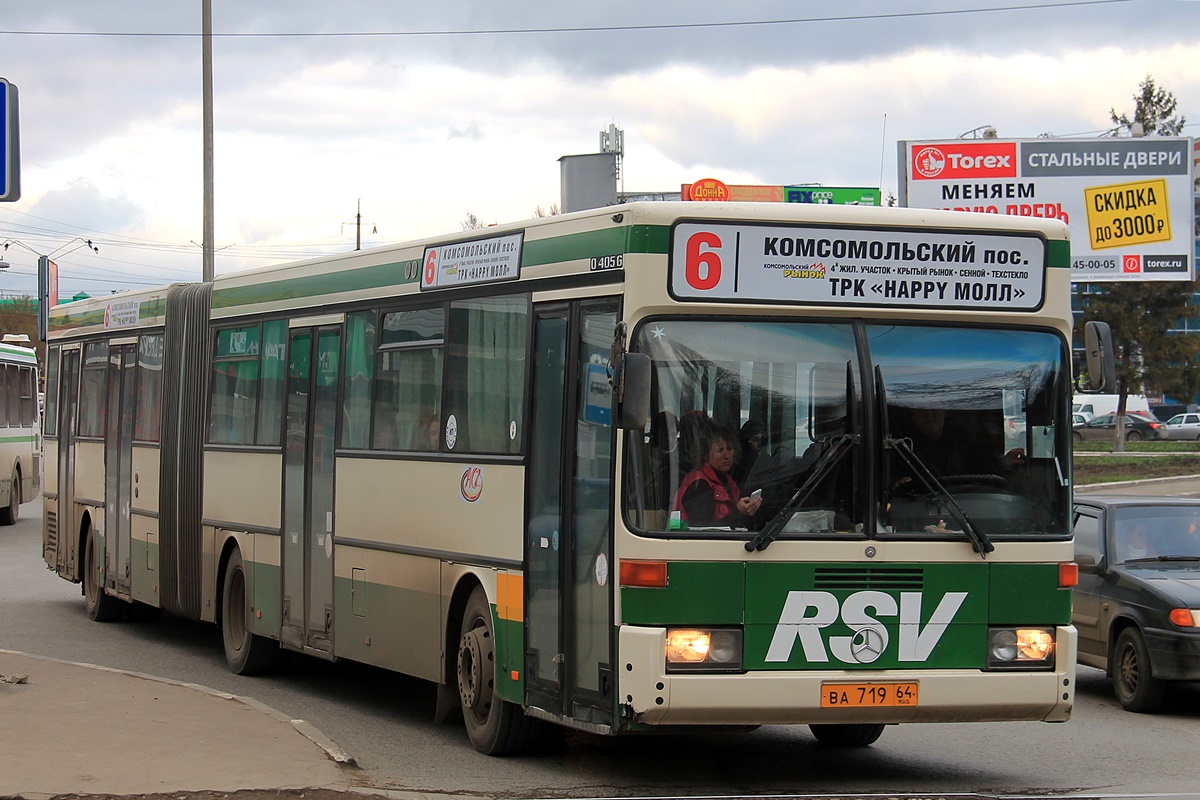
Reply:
x=568, y=541
x=308, y=490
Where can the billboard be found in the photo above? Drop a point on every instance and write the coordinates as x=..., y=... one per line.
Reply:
x=1127, y=201
x=711, y=189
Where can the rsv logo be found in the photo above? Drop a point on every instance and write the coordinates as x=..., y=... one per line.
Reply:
x=807, y=613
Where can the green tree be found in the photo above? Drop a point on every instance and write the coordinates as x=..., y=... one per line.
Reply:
x=1153, y=107
x=1149, y=358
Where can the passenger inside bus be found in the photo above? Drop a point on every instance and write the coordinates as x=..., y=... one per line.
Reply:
x=751, y=439
x=708, y=495
x=693, y=436
x=947, y=449
x=427, y=433
x=662, y=452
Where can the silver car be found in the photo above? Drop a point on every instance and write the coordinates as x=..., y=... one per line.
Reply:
x=1184, y=426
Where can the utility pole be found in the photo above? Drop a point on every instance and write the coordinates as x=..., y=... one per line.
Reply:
x=358, y=226
x=209, y=240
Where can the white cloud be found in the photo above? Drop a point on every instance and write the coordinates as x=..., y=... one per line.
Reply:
x=426, y=129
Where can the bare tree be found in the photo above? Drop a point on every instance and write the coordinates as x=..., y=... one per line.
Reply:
x=471, y=223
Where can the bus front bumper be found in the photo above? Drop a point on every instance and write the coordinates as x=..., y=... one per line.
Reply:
x=656, y=697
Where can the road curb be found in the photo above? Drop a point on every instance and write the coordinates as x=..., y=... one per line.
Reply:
x=1146, y=481
x=305, y=729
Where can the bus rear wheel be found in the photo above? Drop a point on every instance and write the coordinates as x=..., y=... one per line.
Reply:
x=494, y=726
x=846, y=735
x=10, y=514
x=246, y=652
x=101, y=607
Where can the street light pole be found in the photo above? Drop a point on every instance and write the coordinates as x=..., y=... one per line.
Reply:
x=209, y=245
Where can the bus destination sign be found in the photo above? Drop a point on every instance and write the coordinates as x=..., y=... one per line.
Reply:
x=496, y=258
x=857, y=266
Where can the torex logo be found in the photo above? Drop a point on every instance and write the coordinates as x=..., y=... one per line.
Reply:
x=964, y=160
x=806, y=614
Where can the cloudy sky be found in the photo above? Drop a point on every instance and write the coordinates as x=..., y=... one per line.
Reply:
x=427, y=112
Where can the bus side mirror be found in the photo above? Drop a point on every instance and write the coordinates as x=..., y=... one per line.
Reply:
x=631, y=380
x=1097, y=343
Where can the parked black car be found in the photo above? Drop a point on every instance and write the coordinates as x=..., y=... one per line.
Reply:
x=1104, y=428
x=1137, y=605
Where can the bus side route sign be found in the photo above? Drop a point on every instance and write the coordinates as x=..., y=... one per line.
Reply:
x=10, y=156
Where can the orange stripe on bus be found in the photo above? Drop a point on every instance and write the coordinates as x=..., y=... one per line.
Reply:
x=510, y=597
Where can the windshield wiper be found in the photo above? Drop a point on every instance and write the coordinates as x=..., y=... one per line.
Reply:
x=979, y=542
x=838, y=447
x=1150, y=559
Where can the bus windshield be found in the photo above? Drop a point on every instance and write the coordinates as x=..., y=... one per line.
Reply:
x=849, y=428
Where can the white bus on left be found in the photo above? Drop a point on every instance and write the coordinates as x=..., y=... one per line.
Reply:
x=20, y=429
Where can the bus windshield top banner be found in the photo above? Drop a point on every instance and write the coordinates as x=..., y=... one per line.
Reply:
x=857, y=266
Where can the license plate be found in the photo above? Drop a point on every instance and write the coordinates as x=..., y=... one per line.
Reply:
x=871, y=695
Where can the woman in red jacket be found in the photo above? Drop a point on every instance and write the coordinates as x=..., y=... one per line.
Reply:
x=708, y=496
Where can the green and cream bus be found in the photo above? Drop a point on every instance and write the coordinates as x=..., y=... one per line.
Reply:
x=20, y=427
x=464, y=459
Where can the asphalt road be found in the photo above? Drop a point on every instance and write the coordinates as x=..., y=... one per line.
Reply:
x=385, y=722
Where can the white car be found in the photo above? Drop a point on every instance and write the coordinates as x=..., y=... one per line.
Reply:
x=1184, y=426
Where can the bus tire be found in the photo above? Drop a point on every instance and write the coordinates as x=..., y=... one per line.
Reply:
x=10, y=514
x=494, y=726
x=245, y=652
x=859, y=735
x=101, y=607
x=1133, y=680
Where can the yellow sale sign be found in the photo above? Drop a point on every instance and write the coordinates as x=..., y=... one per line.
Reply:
x=1126, y=214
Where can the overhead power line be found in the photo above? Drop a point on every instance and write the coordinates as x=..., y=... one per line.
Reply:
x=570, y=29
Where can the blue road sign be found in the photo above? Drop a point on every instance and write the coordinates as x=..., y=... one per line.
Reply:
x=10, y=146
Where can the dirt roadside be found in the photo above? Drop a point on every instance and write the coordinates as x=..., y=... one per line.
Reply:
x=248, y=794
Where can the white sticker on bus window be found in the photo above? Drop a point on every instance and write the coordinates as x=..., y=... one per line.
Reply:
x=451, y=432
x=512, y=430
x=601, y=569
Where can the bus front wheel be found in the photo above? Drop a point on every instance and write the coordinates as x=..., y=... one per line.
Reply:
x=495, y=726
x=246, y=652
x=10, y=514
x=846, y=735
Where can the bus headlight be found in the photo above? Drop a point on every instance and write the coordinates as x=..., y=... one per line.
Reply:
x=704, y=650
x=1020, y=648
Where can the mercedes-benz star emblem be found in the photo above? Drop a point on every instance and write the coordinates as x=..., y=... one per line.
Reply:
x=867, y=645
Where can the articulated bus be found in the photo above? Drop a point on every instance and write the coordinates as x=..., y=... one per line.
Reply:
x=477, y=459
x=20, y=427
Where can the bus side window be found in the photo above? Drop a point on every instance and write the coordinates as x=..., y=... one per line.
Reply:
x=93, y=390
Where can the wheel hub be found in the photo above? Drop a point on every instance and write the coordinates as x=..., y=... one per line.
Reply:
x=474, y=657
x=1129, y=670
